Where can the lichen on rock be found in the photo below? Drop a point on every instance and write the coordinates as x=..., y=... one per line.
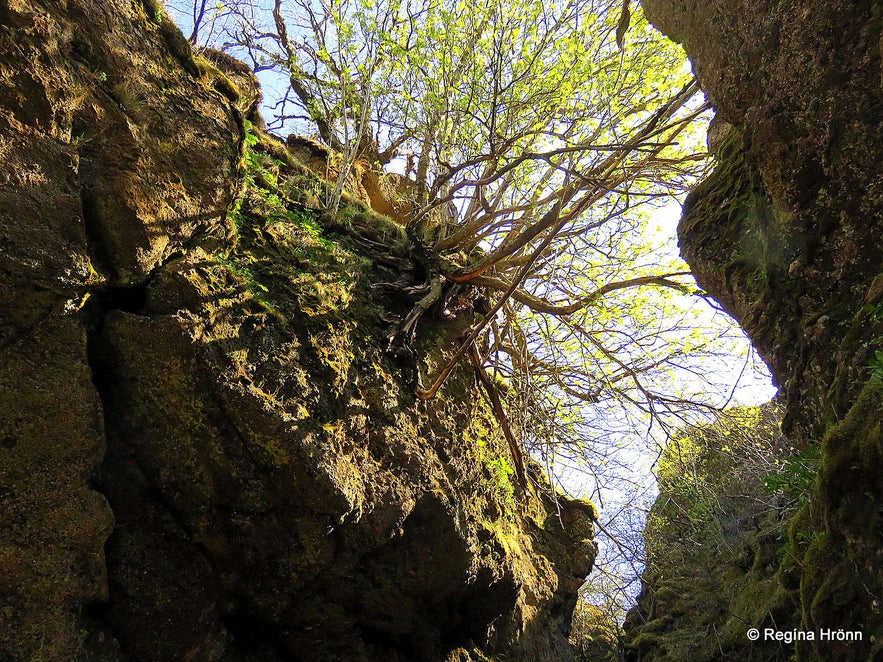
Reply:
x=787, y=234
x=207, y=452
x=252, y=393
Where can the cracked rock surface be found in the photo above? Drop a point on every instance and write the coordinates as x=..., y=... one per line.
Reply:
x=201, y=460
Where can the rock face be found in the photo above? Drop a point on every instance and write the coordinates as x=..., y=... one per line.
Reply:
x=114, y=157
x=801, y=244
x=788, y=234
x=713, y=540
x=205, y=452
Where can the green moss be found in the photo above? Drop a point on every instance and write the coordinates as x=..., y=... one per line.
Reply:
x=856, y=442
x=284, y=254
x=154, y=11
x=729, y=232
x=221, y=82
x=712, y=555
x=588, y=506
x=645, y=641
x=175, y=40
x=836, y=546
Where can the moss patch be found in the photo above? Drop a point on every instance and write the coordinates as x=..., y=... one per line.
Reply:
x=841, y=542
x=713, y=551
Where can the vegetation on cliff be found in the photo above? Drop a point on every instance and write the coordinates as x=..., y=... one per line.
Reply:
x=253, y=391
x=207, y=452
x=787, y=235
x=715, y=539
x=530, y=172
x=296, y=385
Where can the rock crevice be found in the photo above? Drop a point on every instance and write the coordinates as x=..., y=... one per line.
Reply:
x=787, y=233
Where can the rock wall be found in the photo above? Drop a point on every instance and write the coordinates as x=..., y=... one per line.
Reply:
x=713, y=543
x=205, y=451
x=788, y=234
x=103, y=178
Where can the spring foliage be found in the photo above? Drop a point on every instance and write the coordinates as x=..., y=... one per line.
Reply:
x=539, y=137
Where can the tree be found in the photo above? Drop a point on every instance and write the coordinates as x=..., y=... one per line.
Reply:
x=537, y=147
x=538, y=140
